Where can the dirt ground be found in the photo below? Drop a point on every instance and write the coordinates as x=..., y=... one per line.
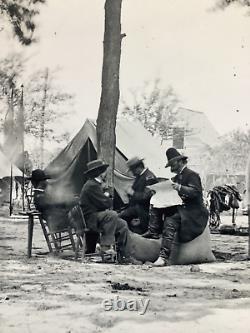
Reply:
x=51, y=294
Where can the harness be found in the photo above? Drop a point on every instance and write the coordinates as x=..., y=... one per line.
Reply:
x=222, y=198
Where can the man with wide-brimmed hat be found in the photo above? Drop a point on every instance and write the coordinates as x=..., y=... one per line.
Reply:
x=39, y=182
x=96, y=205
x=139, y=198
x=54, y=213
x=189, y=219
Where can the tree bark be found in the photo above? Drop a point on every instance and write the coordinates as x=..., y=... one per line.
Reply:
x=107, y=113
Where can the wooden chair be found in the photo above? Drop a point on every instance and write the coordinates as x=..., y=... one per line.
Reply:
x=78, y=222
x=59, y=240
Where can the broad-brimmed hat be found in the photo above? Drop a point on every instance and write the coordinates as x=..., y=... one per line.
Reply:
x=96, y=166
x=38, y=175
x=134, y=162
x=173, y=155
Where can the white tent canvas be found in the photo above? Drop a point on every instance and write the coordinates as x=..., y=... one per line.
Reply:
x=5, y=167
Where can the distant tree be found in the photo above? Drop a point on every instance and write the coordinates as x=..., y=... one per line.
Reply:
x=154, y=107
x=45, y=104
x=20, y=14
x=232, y=154
x=225, y=3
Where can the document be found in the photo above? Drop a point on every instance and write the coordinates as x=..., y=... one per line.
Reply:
x=165, y=195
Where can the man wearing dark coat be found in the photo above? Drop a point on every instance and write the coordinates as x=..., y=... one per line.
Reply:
x=139, y=198
x=54, y=213
x=189, y=219
x=96, y=205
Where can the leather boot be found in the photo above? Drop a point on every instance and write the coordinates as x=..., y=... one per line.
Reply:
x=108, y=254
x=155, y=224
x=161, y=262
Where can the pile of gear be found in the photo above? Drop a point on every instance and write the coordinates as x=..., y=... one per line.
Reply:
x=222, y=198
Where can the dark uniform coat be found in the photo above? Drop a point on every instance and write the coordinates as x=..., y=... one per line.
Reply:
x=194, y=214
x=92, y=201
x=142, y=194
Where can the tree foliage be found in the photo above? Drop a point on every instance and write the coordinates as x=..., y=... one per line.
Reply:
x=21, y=16
x=226, y=3
x=12, y=71
x=154, y=107
x=49, y=109
x=232, y=154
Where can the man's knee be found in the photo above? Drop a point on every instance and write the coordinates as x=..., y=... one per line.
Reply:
x=122, y=224
x=107, y=215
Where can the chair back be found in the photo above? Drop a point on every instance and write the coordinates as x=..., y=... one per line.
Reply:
x=77, y=220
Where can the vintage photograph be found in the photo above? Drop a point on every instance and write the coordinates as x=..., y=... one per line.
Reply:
x=124, y=166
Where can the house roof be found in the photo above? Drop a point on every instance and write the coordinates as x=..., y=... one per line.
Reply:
x=201, y=129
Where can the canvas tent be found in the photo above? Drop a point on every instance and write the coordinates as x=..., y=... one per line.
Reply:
x=5, y=167
x=67, y=169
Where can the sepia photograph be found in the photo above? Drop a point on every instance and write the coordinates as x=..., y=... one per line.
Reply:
x=124, y=166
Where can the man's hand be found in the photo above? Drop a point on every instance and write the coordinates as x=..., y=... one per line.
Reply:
x=176, y=186
x=130, y=192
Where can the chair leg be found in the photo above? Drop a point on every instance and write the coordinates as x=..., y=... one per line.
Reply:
x=83, y=239
x=55, y=242
x=45, y=234
x=77, y=246
x=72, y=240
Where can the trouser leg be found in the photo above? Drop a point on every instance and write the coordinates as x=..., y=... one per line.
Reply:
x=143, y=215
x=170, y=227
x=121, y=234
x=133, y=212
x=128, y=214
x=156, y=220
x=107, y=223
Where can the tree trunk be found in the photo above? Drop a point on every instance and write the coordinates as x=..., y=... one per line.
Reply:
x=107, y=113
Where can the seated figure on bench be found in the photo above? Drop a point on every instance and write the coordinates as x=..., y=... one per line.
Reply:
x=96, y=206
x=140, y=195
x=189, y=219
x=54, y=214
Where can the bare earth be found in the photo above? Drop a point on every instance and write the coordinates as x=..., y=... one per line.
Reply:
x=51, y=294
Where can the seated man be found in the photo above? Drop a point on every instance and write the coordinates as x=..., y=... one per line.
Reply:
x=54, y=214
x=188, y=219
x=140, y=196
x=96, y=206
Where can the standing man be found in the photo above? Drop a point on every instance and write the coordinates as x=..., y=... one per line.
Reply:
x=96, y=205
x=190, y=218
x=139, y=198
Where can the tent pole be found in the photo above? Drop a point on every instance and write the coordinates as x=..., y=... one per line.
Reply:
x=21, y=129
x=23, y=190
x=11, y=188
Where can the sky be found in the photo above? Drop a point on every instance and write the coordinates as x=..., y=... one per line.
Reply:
x=203, y=54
